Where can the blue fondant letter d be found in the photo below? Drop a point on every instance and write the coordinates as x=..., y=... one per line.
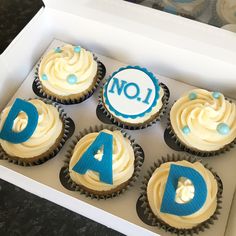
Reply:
x=169, y=205
x=19, y=137
x=87, y=161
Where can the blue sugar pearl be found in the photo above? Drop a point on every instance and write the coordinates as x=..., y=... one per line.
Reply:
x=216, y=95
x=72, y=79
x=192, y=96
x=186, y=129
x=58, y=50
x=44, y=77
x=77, y=49
x=223, y=128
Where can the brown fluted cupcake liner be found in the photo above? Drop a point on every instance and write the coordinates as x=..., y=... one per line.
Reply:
x=67, y=132
x=156, y=221
x=69, y=184
x=39, y=91
x=193, y=151
x=150, y=122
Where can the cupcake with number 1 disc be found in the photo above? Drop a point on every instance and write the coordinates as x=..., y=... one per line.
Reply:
x=133, y=98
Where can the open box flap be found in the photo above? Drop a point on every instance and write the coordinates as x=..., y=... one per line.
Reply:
x=161, y=26
x=21, y=54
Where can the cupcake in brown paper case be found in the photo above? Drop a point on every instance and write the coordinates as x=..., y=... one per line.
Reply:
x=48, y=136
x=69, y=74
x=157, y=197
x=204, y=122
x=188, y=8
x=105, y=169
x=133, y=98
x=224, y=12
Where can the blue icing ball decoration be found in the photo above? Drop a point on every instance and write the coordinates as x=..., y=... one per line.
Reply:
x=77, y=49
x=216, y=95
x=223, y=128
x=72, y=79
x=57, y=50
x=44, y=77
x=192, y=96
x=186, y=129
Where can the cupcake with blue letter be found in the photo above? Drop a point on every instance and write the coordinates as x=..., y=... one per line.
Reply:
x=69, y=74
x=181, y=195
x=103, y=162
x=133, y=98
x=32, y=131
x=204, y=122
x=186, y=8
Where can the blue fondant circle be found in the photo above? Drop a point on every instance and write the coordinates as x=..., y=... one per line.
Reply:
x=154, y=81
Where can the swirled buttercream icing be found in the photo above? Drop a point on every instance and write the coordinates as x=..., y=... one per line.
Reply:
x=204, y=120
x=122, y=162
x=156, y=188
x=226, y=10
x=68, y=70
x=47, y=132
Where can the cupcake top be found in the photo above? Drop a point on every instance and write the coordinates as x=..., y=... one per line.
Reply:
x=132, y=95
x=184, y=193
x=67, y=70
x=204, y=120
x=185, y=6
x=47, y=131
x=122, y=162
x=226, y=10
x=230, y=27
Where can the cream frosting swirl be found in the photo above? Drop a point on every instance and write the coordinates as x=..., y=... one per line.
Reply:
x=156, y=188
x=202, y=116
x=122, y=162
x=67, y=70
x=185, y=190
x=226, y=10
x=48, y=130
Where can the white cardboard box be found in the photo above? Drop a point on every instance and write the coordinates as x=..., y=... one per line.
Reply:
x=175, y=47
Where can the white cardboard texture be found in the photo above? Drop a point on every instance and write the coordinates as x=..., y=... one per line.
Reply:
x=182, y=49
x=118, y=213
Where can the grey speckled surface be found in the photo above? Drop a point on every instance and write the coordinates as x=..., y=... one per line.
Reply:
x=22, y=213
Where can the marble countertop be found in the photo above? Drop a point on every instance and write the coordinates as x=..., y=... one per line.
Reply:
x=22, y=213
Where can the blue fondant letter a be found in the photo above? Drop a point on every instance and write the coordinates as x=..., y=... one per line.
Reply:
x=169, y=205
x=19, y=137
x=88, y=161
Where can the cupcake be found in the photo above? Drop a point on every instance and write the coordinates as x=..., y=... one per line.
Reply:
x=189, y=8
x=46, y=138
x=182, y=196
x=68, y=74
x=203, y=122
x=225, y=12
x=230, y=27
x=103, y=163
x=133, y=98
